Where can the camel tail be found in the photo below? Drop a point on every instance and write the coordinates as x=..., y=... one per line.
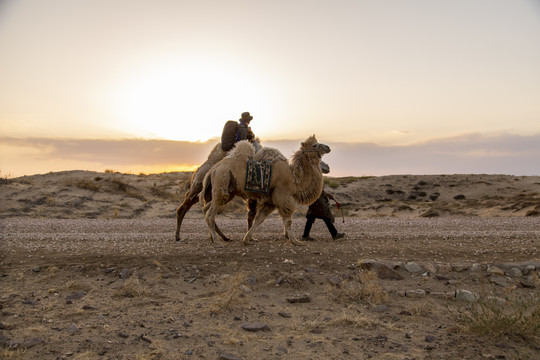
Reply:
x=206, y=192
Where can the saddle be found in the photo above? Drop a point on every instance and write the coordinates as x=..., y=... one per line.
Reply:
x=258, y=176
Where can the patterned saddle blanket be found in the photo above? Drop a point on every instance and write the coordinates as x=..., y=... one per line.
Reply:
x=258, y=176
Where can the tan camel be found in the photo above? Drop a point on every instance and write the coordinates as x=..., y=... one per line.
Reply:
x=298, y=181
x=191, y=197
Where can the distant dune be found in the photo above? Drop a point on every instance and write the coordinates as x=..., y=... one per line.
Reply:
x=86, y=194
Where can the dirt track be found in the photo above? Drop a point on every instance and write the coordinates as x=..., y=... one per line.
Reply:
x=46, y=263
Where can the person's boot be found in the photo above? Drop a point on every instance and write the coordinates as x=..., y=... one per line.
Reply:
x=338, y=236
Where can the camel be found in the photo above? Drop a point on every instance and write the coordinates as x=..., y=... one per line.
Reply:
x=298, y=181
x=191, y=197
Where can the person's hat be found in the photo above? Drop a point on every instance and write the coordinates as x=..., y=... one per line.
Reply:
x=246, y=116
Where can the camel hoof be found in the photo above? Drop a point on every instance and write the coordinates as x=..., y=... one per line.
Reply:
x=298, y=243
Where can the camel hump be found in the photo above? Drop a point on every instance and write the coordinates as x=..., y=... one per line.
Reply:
x=269, y=154
x=242, y=148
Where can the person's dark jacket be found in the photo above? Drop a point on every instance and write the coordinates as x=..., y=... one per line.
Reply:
x=321, y=208
x=243, y=132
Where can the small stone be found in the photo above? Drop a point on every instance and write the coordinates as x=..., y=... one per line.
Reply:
x=381, y=308
x=444, y=268
x=334, y=280
x=530, y=268
x=73, y=329
x=514, y=272
x=499, y=280
x=430, y=338
x=442, y=277
x=465, y=295
x=125, y=273
x=227, y=356
x=32, y=342
x=251, y=280
x=299, y=299
x=76, y=296
x=528, y=282
x=385, y=273
x=418, y=293
x=145, y=338
x=36, y=269
x=122, y=334
x=255, y=327
x=495, y=270
x=413, y=267
x=284, y=314
x=30, y=302
x=459, y=267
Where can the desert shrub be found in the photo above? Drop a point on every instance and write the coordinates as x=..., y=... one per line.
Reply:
x=230, y=290
x=160, y=192
x=119, y=186
x=13, y=354
x=132, y=288
x=363, y=288
x=488, y=317
x=87, y=185
x=331, y=183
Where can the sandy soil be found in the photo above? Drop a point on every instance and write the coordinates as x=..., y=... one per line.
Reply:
x=392, y=289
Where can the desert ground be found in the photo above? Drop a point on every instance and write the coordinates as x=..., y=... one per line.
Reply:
x=431, y=267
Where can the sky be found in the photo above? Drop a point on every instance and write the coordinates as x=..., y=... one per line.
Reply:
x=393, y=86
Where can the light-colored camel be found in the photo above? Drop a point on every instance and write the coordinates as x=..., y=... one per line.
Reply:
x=298, y=181
x=191, y=197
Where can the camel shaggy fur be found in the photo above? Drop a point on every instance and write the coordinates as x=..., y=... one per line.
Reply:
x=298, y=181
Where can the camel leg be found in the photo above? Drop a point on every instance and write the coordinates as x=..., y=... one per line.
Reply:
x=262, y=213
x=252, y=211
x=286, y=209
x=207, y=201
x=190, y=198
x=211, y=211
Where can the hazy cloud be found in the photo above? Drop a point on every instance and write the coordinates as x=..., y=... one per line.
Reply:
x=471, y=153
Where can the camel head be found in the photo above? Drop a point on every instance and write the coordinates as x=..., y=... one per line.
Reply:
x=312, y=148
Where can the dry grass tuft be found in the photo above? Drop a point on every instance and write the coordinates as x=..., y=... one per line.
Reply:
x=132, y=288
x=87, y=355
x=517, y=318
x=13, y=354
x=363, y=288
x=420, y=308
x=231, y=289
x=353, y=320
x=157, y=351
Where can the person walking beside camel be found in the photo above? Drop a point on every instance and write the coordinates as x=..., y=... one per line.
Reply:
x=320, y=209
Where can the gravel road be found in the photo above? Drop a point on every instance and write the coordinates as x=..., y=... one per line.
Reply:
x=439, y=240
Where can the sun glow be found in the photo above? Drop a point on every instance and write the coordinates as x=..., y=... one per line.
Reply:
x=189, y=103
